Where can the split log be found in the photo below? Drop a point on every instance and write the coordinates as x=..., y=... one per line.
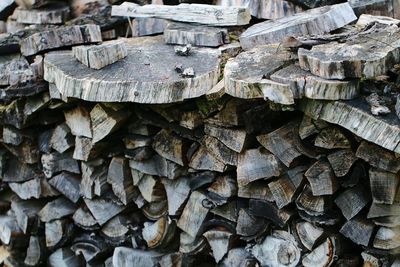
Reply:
x=193, y=214
x=219, y=241
x=56, y=209
x=53, y=14
x=227, y=211
x=323, y=255
x=195, y=13
x=15, y=69
x=284, y=190
x=218, y=150
x=119, y=177
x=270, y=211
x=352, y=201
x=326, y=60
x=64, y=257
x=137, y=86
x=374, y=7
x=68, y=185
x=278, y=249
x=100, y=56
x=78, y=120
x=84, y=220
x=85, y=150
x=170, y=146
x=35, y=188
x=155, y=210
x=366, y=19
x=321, y=179
x=341, y=161
x=26, y=213
x=312, y=205
x=387, y=238
x=255, y=164
x=60, y=37
x=235, y=139
x=238, y=257
x=295, y=25
x=147, y=26
x=183, y=34
x=125, y=257
x=355, y=117
x=33, y=86
x=103, y=209
x=61, y=139
x=91, y=172
x=158, y=166
x=54, y=163
x=177, y=192
x=358, y=230
x=222, y=189
x=308, y=234
x=249, y=226
x=383, y=210
x=18, y=172
x=159, y=234
x=9, y=229
x=57, y=233
x=116, y=230
x=332, y=138
x=378, y=157
x=383, y=186
x=203, y=159
x=26, y=152
x=35, y=253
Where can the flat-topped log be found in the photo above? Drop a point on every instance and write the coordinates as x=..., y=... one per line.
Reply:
x=147, y=77
x=367, y=55
x=53, y=14
x=195, y=13
x=355, y=116
x=60, y=37
x=314, y=21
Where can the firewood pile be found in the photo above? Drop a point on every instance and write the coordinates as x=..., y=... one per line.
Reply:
x=231, y=133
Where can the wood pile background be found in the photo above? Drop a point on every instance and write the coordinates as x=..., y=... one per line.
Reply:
x=231, y=133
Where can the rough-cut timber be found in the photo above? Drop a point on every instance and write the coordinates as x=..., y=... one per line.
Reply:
x=196, y=35
x=60, y=37
x=147, y=26
x=99, y=56
x=194, y=13
x=148, y=78
x=53, y=14
x=314, y=21
x=374, y=7
x=366, y=19
x=362, y=56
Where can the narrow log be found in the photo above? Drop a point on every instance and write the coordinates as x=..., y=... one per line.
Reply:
x=61, y=139
x=332, y=138
x=358, y=230
x=366, y=19
x=352, y=201
x=56, y=209
x=321, y=179
x=15, y=69
x=35, y=253
x=68, y=185
x=170, y=146
x=78, y=120
x=195, y=13
x=219, y=241
x=378, y=157
x=103, y=209
x=177, y=192
x=26, y=213
x=193, y=214
x=54, y=163
x=119, y=177
x=383, y=186
x=341, y=161
x=52, y=14
x=57, y=233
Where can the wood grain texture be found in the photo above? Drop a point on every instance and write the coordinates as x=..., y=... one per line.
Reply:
x=314, y=21
x=53, y=14
x=195, y=13
x=160, y=85
x=193, y=214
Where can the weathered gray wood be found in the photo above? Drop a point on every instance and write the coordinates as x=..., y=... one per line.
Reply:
x=55, y=162
x=170, y=146
x=60, y=37
x=26, y=212
x=139, y=84
x=78, y=120
x=387, y=238
x=119, y=176
x=218, y=150
x=116, y=229
x=159, y=166
x=323, y=255
x=91, y=172
x=358, y=230
x=57, y=209
x=249, y=226
x=84, y=219
x=255, y=164
x=196, y=13
x=284, y=190
x=6, y=7
x=341, y=161
x=397, y=107
x=366, y=19
x=326, y=60
x=219, y=241
x=378, y=157
x=68, y=184
x=177, y=192
x=355, y=117
x=9, y=228
x=314, y=21
x=103, y=209
x=35, y=188
x=239, y=257
x=61, y=138
x=183, y=34
x=308, y=234
x=234, y=139
x=160, y=233
x=312, y=205
x=383, y=186
x=35, y=253
x=64, y=257
x=256, y=190
x=374, y=7
x=147, y=26
x=322, y=179
x=100, y=56
x=57, y=232
x=126, y=257
x=18, y=172
x=203, y=159
x=332, y=138
x=352, y=201
x=193, y=214
x=270, y=211
x=15, y=69
x=53, y=14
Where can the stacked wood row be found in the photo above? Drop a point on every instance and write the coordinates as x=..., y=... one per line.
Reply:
x=191, y=148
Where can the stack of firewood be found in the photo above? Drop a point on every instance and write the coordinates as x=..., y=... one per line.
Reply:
x=191, y=148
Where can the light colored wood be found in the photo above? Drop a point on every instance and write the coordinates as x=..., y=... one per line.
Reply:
x=126, y=257
x=100, y=56
x=373, y=7
x=314, y=21
x=355, y=117
x=387, y=238
x=193, y=214
x=55, y=162
x=219, y=241
x=341, y=161
x=147, y=26
x=64, y=257
x=53, y=14
x=119, y=176
x=150, y=79
x=196, y=13
x=61, y=139
x=308, y=234
x=30, y=4
x=60, y=37
x=103, y=209
x=366, y=19
x=56, y=209
x=323, y=255
x=15, y=69
x=203, y=159
x=239, y=257
x=177, y=192
x=169, y=146
x=234, y=139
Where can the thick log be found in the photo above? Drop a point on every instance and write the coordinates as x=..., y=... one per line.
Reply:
x=219, y=241
x=383, y=186
x=68, y=185
x=100, y=56
x=278, y=249
x=119, y=176
x=126, y=257
x=323, y=255
x=255, y=164
x=53, y=14
x=387, y=238
x=147, y=26
x=78, y=120
x=177, y=192
x=352, y=201
x=158, y=166
x=61, y=139
x=195, y=13
x=103, y=209
x=322, y=179
x=358, y=230
x=60, y=37
x=183, y=34
x=54, y=163
x=326, y=60
x=139, y=84
x=378, y=157
x=64, y=257
x=170, y=146
x=316, y=21
x=355, y=117
x=235, y=139
x=35, y=253
x=57, y=209
x=308, y=234
x=332, y=138
x=193, y=214
x=341, y=161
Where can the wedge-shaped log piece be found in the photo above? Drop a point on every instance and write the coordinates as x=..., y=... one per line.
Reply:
x=103, y=209
x=234, y=139
x=26, y=152
x=160, y=233
x=312, y=205
x=322, y=179
x=60, y=37
x=247, y=75
x=352, y=201
x=194, y=214
x=314, y=21
x=57, y=209
x=332, y=138
x=35, y=253
x=143, y=83
x=270, y=211
x=255, y=164
x=249, y=226
x=256, y=190
x=177, y=192
x=78, y=120
x=341, y=161
x=147, y=26
x=158, y=166
x=358, y=230
x=91, y=172
x=52, y=14
x=151, y=189
x=183, y=34
x=218, y=150
x=383, y=210
x=308, y=234
x=383, y=186
x=203, y=159
x=15, y=69
x=327, y=60
x=284, y=190
x=8, y=229
x=61, y=139
x=227, y=211
x=67, y=184
x=35, y=188
x=119, y=176
x=169, y=146
x=116, y=230
x=224, y=187
x=64, y=257
x=378, y=157
x=196, y=13
x=355, y=116
x=323, y=255
x=57, y=232
x=18, y=172
x=387, y=238
x=84, y=220
x=54, y=163
x=270, y=251
x=6, y=8
x=126, y=257
x=99, y=56
x=219, y=241
x=26, y=213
